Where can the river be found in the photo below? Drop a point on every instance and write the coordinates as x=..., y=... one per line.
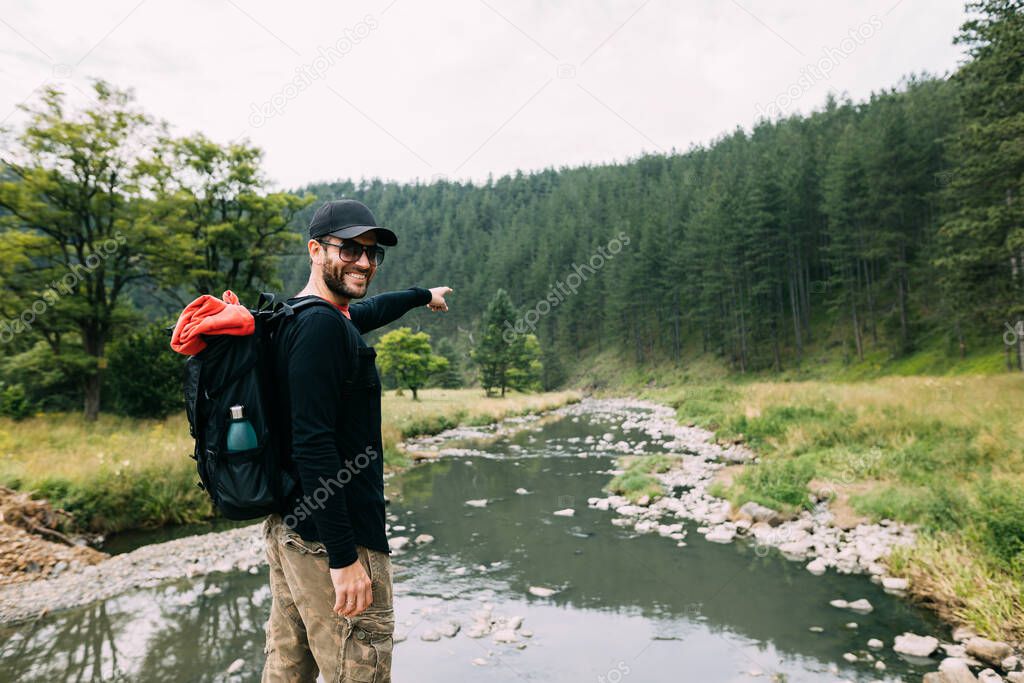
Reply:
x=626, y=606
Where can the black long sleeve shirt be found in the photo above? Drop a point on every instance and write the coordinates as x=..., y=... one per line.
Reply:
x=329, y=392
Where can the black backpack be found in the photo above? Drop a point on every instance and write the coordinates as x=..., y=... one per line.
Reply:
x=239, y=371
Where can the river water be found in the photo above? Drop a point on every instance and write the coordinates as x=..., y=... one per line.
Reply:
x=628, y=607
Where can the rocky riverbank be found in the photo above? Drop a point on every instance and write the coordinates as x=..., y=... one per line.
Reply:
x=811, y=536
x=68, y=577
x=687, y=506
x=234, y=550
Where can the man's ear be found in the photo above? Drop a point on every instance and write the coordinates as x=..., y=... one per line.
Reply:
x=316, y=251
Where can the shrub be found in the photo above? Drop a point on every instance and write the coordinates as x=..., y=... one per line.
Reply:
x=779, y=483
x=13, y=401
x=1000, y=520
x=143, y=377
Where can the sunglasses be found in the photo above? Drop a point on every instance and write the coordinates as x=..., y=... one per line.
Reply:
x=351, y=251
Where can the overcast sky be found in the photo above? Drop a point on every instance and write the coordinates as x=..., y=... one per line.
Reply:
x=408, y=90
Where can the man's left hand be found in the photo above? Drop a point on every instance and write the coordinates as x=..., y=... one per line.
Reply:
x=437, y=302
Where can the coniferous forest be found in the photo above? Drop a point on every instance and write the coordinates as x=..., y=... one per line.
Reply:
x=871, y=229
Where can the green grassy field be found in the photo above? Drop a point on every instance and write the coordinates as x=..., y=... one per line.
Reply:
x=121, y=473
x=946, y=453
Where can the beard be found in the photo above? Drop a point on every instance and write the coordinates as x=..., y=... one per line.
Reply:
x=334, y=278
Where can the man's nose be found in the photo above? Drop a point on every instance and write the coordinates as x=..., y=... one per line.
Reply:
x=364, y=260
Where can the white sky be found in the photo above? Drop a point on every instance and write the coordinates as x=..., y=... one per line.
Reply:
x=463, y=88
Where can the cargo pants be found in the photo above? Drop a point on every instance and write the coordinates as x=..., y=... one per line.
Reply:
x=304, y=635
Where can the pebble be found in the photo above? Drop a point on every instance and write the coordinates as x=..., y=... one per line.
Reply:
x=449, y=629
x=892, y=583
x=817, y=566
x=505, y=636
x=861, y=606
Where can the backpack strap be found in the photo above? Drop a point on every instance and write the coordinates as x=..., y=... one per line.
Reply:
x=266, y=301
x=286, y=310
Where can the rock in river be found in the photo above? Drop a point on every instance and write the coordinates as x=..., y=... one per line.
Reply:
x=989, y=651
x=861, y=606
x=915, y=645
x=817, y=566
x=721, y=534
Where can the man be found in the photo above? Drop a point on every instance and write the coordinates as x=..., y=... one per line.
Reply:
x=330, y=572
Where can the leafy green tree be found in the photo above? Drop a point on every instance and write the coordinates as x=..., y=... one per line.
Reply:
x=407, y=356
x=230, y=232
x=98, y=203
x=76, y=233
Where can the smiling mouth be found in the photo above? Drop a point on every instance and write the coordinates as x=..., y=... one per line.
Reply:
x=358, y=277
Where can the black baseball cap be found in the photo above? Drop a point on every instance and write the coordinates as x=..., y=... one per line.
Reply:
x=347, y=218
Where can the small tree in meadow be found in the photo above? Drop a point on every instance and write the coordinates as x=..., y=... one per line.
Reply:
x=407, y=357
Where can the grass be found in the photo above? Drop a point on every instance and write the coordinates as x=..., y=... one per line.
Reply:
x=122, y=473
x=943, y=452
x=637, y=479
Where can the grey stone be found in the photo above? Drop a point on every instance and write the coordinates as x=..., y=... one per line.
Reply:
x=817, y=566
x=449, y=629
x=861, y=606
x=962, y=633
x=893, y=583
x=506, y=635
x=760, y=513
x=989, y=651
x=914, y=645
x=721, y=534
x=955, y=670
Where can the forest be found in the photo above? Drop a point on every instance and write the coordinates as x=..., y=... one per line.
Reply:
x=863, y=234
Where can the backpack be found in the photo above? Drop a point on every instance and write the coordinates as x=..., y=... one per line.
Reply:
x=239, y=371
